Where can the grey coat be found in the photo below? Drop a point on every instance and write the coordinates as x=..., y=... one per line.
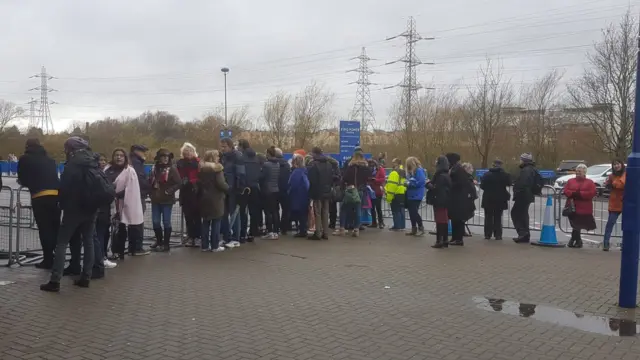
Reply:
x=270, y=176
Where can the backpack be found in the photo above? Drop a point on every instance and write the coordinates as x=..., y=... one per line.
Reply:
x=98, y=190
x=538, y=184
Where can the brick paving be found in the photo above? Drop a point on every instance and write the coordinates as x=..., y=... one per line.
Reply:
x=297, y=299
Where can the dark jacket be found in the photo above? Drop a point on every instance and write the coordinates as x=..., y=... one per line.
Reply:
x=463, y=194
x=298, y=192
x=270, y=176
x=37, y=171
x=357, y=173
x=72, y=181
x=322, y=173
x=439, y=188
x=165, y=181
x=143, y=180
x=285, y=172
x=234, y=170
x=495, y=183
x=212, y=189
x=523, y=185
x=188, y=171
x=252, y=168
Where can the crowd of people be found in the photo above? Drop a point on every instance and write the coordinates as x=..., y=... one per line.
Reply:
x=233, y=196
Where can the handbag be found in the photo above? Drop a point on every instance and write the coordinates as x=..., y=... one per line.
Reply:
x=337, y=194
x=569, y=208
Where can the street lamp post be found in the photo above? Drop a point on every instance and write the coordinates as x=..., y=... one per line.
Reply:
x=225, y=71
x=631, y=213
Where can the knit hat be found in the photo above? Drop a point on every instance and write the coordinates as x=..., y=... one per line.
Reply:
x=75, y=143
x=300, y=152
x=526, y=157
x=497, y=163
x=357, y=149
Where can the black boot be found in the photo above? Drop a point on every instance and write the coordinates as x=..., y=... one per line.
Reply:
x=167, y=240
x=50, y=287
x=158, y=245
x=578, y=244
x=572, y=242
x=413, y=232
x=83, y=282
x=438, y=244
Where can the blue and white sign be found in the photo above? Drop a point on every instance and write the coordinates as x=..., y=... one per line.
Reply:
x=225, y=134
x=349, y=138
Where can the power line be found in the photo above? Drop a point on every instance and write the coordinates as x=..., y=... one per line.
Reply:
x=363, y=108
x=45, y=123
x=409, y=85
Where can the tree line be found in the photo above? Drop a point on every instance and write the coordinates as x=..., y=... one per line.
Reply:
x=590, y=119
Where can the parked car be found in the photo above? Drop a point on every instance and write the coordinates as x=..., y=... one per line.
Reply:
x=597, y=173
x=567, y=167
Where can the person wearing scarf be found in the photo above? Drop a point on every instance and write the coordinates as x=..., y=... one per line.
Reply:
x=615, y=183
x=188, y=168
x=165, y=181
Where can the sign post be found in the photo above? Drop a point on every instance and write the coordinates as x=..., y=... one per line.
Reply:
x=631, y=214
x=349, y=138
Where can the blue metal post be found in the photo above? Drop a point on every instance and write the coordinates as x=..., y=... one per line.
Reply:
x=631, y=214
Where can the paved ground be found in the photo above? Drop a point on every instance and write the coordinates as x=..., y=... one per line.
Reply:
x=382, y=296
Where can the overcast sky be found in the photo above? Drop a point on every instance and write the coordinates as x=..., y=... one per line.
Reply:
x=119, y=58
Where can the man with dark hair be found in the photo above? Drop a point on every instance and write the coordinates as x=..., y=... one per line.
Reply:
x=38, y=172
x=322, y=173
x=78, y=215
x=234, y=173
x=250, y=199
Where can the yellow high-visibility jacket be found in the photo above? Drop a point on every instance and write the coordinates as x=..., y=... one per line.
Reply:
x=395, y=184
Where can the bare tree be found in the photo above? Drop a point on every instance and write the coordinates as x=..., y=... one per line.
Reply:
x=277, y=116
x=483, y=109
x=536, y=124
x=607, y=87
x=238, y=120
x=9, y=112
x=311, y=112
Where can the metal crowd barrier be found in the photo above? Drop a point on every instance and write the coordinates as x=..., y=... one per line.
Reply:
x=7, y=228
x=19, y=220
x=536, y=213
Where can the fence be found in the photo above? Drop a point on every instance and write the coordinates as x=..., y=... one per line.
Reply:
x=19, y=236
x=20, y=240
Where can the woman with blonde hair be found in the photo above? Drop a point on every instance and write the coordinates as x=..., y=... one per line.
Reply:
x=416, y=181
x=188, y=167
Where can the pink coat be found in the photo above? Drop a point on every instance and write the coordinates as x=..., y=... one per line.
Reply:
x=131, y=206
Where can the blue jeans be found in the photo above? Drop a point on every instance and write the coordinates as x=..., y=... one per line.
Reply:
x=161, y=213
x=211, y=233
x=397, y=213
x=611, y=222
x=231, y=220
x=99, y=246
x=352, y=214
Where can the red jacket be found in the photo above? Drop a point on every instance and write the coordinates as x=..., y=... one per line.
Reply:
x=377, y=182
x=188, y=169
x=582, y=191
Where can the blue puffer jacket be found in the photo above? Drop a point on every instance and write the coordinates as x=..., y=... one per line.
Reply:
x=416, y=183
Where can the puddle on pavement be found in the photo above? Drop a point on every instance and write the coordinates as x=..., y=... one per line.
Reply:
x=595, y=324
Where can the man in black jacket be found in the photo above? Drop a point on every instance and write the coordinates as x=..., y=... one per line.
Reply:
x=76, y=216
x=38, y=172
x=523, y=197
x=250, y=200
x=283, y=185
x=137, y=158
x=322, y=174
x=495, y=199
